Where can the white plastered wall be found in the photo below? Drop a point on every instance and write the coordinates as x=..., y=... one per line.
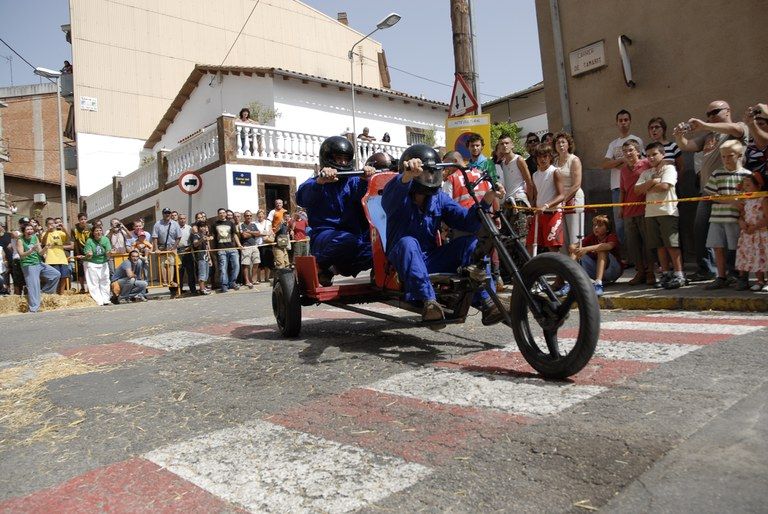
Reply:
x=102, y=157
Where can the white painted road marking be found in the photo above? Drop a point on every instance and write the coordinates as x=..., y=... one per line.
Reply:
x=629, y=351
x=702, y=315
x=170, y=341
x=269, y=468
x=685, y=328
x=529, y=397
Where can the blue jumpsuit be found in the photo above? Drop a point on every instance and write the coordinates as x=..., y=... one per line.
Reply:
x=340, y=233
x=412, y=238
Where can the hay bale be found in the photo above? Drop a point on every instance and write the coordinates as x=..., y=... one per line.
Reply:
x=13, y=304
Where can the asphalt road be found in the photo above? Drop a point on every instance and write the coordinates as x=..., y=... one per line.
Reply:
x=199, y=405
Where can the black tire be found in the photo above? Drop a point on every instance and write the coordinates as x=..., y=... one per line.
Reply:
x=539, y=343
x=286, y=303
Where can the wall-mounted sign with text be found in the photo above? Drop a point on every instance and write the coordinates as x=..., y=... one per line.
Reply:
x=588, y=58
x=241, y=178
x=89, y=103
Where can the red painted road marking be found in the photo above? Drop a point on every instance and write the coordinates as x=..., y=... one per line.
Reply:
x=112, y=353
x=652, y=336
x=134, y=485
x=701, y=320
x=599, y=371
x=418, y=431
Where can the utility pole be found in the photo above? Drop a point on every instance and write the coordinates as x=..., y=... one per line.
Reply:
x=462, y=42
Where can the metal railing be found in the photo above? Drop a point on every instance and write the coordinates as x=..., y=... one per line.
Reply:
x=198, y=151
x=139, y=182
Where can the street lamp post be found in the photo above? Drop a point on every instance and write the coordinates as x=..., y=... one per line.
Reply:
x=386, y=23
x=53, y=74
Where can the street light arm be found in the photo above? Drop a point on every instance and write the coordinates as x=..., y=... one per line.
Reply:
x=351, y=50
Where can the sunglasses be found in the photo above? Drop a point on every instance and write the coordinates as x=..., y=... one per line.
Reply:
x=715, y=111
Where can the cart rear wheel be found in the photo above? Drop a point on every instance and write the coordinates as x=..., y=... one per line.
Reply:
x=537, y=337
x=286, y=303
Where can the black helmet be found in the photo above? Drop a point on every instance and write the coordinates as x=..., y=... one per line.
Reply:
x=432, y=177
x=336, y=145
x=381, y=161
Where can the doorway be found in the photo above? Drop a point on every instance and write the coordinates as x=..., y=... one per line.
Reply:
x=274, y=192
x=272, y=187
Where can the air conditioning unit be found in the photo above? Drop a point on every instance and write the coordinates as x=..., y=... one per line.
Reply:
x=40, y=198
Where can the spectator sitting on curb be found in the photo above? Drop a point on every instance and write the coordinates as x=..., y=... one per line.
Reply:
x=128, y=276
x=598, y=255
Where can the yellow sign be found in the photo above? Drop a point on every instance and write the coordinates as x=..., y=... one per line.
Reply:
x=457, y=131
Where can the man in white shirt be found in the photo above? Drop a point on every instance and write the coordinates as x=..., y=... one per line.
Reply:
x=614, y=160
x=187, y=257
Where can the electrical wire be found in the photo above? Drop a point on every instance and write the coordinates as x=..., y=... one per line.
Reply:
x=22, y=58
x=237, y=37
x=421, y=77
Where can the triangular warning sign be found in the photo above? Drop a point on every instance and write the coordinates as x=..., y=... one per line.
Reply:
x=462, y=100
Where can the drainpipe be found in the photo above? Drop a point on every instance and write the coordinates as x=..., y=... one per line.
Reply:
x=562, y=84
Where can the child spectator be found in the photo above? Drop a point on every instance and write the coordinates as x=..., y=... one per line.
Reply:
x=752, y=251
x=634, y=215
x=723, y=234
x=201, y=242
x=598, y=254
x=549, y=197
x=144, y=248
x=661, y=219
x=57, y=242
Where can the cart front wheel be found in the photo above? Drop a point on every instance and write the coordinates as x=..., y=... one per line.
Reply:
x=537, y=335
x=286, y=303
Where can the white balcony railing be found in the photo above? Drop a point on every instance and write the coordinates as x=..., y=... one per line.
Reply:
x=193, y=154
x=271, y=144
x=100, y=202
x=139, y=182
x=368, y=148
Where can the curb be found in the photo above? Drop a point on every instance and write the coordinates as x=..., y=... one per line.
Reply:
x=754, y=304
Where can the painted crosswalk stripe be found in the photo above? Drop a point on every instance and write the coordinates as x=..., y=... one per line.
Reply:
x=266, y=467
x=170, y=341
x=688, y=328
x=528, y=397
x=704, y=315
x=628, y=350
x=757, y=321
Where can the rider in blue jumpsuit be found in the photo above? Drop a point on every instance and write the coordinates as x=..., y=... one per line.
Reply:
x=415, y=207
x=341, y=240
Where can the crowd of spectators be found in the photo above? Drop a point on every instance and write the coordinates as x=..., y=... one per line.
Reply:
x=120, y=264
x=730, y=235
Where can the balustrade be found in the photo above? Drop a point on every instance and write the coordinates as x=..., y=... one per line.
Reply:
x=140, y=182
x=100, y=202
x=198, y=151
x=271, y=144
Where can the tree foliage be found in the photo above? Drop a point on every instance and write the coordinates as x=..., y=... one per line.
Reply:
x=507, y=129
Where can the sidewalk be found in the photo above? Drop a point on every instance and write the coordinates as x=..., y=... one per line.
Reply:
x=693, y=297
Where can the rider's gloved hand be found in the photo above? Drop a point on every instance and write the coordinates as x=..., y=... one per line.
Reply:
x=326, y=176
x=412, y=169
x=368, y=171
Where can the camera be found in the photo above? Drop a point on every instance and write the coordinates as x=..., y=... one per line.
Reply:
x=756, y=112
